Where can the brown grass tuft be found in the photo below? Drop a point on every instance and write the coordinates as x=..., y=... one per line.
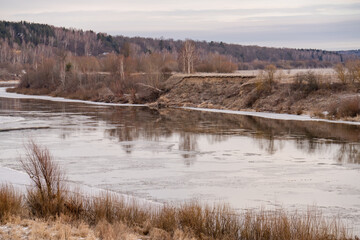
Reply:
x=10, y=202
x=217, y=222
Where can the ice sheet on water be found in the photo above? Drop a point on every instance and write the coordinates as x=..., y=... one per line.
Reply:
x=279, y=116
x=21, y=181
x=10, y=119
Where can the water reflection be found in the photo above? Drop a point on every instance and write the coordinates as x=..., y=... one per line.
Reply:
x=349, y=153
x=126, y=125
x=188, y=146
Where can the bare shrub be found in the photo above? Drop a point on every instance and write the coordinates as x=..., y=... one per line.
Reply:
x=215, y=62
x=341, y=73
x=306, y=82
x=46, y=197
x=10, y=202
x=348, y=107
x=269, y=73
x=353, y=70
x=45, y=76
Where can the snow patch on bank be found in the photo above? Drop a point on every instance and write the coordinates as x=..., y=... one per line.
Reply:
x=4, y=94
x=277, y=116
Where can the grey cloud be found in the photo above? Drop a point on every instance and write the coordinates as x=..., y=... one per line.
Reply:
x=293, y=29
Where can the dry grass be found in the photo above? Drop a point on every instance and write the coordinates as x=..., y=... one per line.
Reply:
x=281, y=225
x=10, y=202
x=189, y=221
x=46, y=230
x=213, y=222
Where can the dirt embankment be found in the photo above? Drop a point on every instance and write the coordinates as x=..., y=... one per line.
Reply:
x=311, y=94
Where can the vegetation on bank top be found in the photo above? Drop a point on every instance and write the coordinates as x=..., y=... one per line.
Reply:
x=49, y=198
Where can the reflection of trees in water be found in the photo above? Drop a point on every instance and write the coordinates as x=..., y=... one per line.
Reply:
x=270, y=135
x=133, y=124
x=124, y=134
x=188, y=145
x=129, y=124
x=349, y=153
x=217, y=138
x=314, y=145
x=270, y=144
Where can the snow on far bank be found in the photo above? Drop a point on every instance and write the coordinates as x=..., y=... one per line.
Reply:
x=9, y=82
x=277, y=116
x=4, y=94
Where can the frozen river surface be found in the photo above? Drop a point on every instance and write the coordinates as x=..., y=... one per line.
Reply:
x=173, y=155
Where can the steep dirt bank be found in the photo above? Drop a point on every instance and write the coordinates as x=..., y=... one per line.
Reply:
x=235, y=92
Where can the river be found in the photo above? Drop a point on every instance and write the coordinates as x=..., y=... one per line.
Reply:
x=174, y=155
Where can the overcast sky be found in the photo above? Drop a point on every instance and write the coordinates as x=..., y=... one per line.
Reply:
x=322, y=24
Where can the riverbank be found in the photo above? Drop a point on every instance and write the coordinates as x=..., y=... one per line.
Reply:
x=315, y=93
x=160, y=104
x=319, y=96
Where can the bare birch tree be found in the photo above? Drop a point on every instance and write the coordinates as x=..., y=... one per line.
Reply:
x=188, y=56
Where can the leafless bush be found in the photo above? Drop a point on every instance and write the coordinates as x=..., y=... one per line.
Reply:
x=341, y=73
x=269, y=74
x=46, y=197
x=353, y=70
x=347, y=107
x=306, y=82
x=215, y=62
x=45, y=76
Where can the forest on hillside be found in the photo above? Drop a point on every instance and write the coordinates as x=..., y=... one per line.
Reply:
x=27, y=43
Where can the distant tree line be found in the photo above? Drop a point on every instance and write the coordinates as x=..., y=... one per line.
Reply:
x=28, y=43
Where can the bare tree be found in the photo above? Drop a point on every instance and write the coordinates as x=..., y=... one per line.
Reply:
x=188, y=56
